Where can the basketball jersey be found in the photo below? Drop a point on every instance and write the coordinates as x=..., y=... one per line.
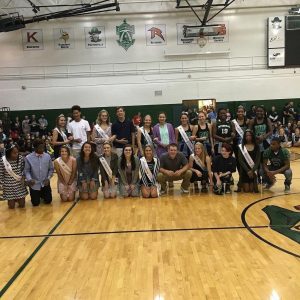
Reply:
x=203, y=133
x=188, y=133
x=224, y=129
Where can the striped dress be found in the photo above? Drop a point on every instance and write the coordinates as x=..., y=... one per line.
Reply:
x=13, y=189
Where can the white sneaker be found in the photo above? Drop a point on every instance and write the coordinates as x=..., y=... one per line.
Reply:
x=184, y=191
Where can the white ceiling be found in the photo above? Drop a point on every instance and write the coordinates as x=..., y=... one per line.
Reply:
x=24, y=8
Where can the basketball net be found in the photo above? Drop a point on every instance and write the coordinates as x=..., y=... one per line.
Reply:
x=202, y=40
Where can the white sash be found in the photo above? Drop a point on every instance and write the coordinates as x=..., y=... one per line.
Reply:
x=64, y=166
x=247, y=156
x=106, y=167
x=238, y=128
x=147, y=136
x=198, y=161
x=9, y=169
x=186, y=138
x=147, y=169
x=65, y=138
x=101, y=132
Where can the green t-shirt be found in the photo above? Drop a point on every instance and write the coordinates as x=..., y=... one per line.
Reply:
x=277, y=159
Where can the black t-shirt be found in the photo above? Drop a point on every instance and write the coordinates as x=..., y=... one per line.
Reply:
x=122, y=130
x=221, y=164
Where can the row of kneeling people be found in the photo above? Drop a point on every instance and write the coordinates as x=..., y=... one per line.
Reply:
x=131, y=175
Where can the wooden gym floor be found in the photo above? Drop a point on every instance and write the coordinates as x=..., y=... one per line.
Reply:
x=172, y=248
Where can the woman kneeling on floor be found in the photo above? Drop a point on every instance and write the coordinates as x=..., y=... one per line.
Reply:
x=149, y=167
x=108, y=171
x=128, y=173
x=66, y=169
x=88, y=178
x=200, y=165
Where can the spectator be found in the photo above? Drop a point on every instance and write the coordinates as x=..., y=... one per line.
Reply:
x=26, y=125
x=34, y=126
x=43, y=125
x=273, y=115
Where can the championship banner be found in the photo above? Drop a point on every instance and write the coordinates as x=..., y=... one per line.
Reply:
x=276, y=32
x=95, y=37
x=276, y=57
x=181, y=40
x=156, y=35
x=64, y=38
x=32, y=39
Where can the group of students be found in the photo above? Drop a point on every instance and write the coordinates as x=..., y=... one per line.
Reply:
x=201, y=154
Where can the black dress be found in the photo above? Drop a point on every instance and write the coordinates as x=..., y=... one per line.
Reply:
x=56, y=148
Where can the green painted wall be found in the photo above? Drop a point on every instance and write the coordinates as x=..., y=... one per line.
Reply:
x=172, y=110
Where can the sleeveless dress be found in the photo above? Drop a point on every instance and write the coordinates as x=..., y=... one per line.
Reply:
x=224, y=130
x=62, y=188
x=205, y=133
x=182, y=146
x=13, y=189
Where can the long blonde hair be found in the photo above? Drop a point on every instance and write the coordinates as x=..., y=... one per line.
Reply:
x=203, y=152
x=98, y=121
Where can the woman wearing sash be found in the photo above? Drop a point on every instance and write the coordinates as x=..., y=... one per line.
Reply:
x=128, y=166
x=87, y=170
x=240, y=125
x=203, y=133
x=59, y=137
x=262, y=128
x=249, y=160
x=223, y=131
x=163, y=134
x=200, y=165
x=184, y=137
x=65, y=167
x=145, y=135
x=12, y=177
x=149, y=167
x=102, y=131
x=108, y=171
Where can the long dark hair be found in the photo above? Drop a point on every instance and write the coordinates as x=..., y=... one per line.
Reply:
x=93, y=158
x=123, y=159
x=252, y=137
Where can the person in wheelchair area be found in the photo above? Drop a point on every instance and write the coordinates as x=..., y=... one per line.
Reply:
x=222, y=167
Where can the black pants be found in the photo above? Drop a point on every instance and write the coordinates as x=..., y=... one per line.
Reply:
x=45, y=193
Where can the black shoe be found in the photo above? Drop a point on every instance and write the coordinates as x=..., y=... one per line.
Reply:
x=204, y=189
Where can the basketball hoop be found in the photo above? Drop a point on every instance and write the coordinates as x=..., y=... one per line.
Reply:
x=202, y=40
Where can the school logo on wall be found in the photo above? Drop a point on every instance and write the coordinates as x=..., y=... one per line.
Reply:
x=156, y=35
x=276, y=57
x=276, y=32
x=95, y=37
x=63, y=38
x=32, y=39
x=125, y=33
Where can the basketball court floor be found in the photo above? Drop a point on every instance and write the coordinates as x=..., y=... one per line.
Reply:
x=172, y=248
